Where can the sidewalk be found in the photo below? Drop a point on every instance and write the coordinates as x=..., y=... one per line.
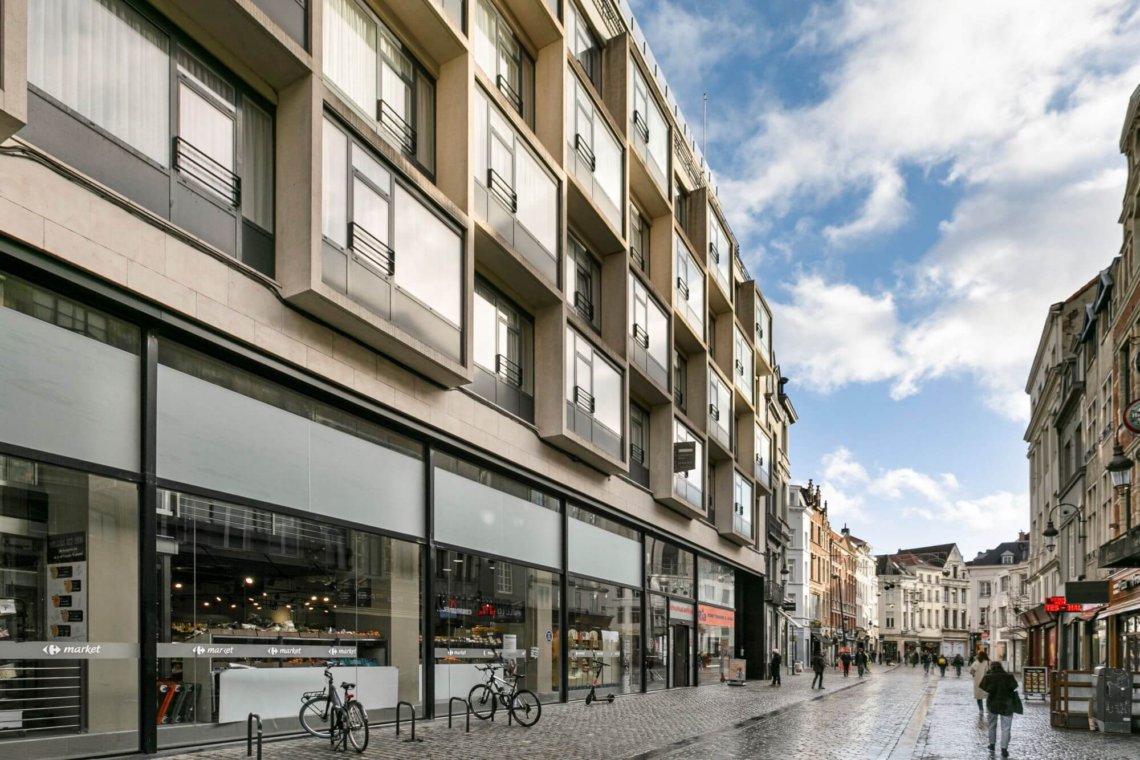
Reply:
x=631, y=726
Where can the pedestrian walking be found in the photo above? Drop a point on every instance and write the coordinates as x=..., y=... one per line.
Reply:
x=845, y=661
x=861, y=662
x=818, y=666
x=942, y=664
x=1002, y=700
x=926, y=663
x=914, y=659
x=978, y=670
x=958, y=663
x=774, y=667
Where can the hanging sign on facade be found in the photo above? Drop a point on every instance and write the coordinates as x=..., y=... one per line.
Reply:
x=684, y=456
x=1132, y=416
x=1058, y=604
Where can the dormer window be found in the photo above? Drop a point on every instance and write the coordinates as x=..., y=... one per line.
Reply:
x=1007, y=558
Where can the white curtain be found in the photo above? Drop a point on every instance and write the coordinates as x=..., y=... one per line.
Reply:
x=107, y=63
x=207, y=127
x=486, y=52
x=257, y=166
x=350, y=52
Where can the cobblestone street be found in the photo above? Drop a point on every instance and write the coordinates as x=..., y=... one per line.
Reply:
x=893, y=714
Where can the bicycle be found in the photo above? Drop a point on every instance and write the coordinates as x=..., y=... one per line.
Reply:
x=592, y=696
x=342, y=720
x=485, y=698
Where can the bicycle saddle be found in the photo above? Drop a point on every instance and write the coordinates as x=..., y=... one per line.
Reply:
x=346, y=685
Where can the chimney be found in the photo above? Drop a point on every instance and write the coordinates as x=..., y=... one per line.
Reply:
x=1022, y=535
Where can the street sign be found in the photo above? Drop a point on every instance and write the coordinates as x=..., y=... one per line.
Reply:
x=1058, y=604
x=789, y=605
x=1132, y=416
x=1087, y=592
x=684, y=456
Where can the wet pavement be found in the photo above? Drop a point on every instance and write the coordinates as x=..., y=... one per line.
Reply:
x=898, y=714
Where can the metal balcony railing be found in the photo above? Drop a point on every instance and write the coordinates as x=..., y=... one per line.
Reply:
x=584, y=305
x=683, y=288
x=509, y=92
x=195, y=164
x=502, y=190
x=371, y=250
x=396, y=126
x=508, y=370
x=641, y=127
x=583, y=399
x=582, y=148
x=640, y=335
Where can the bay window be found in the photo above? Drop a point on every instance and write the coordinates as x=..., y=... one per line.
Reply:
x=584, y=44
x=742, y=364
x=502, y=58
x=593, y=153
x=375, y=73
x=720, y=411
x=689, y=484
x=689, y=292
x=584, y=283
x=386, y=248
x=504, y=352
x=742, y=504
x=763, y=331
x=680, y=378
x=649, y=128
x=515, y=194
x=594, y=395
x=648, y=332
x=761, y=457
x=720, y=253
x=639, y=239
x=120, y=96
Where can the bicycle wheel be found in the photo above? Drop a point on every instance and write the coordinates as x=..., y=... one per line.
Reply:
x=482, y=701
x=525, y=707
x=316, y=717
x=357, y=721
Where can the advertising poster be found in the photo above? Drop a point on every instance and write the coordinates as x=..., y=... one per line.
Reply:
x=67, y=587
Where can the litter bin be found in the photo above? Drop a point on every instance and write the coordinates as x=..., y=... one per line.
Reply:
x=1112, y=700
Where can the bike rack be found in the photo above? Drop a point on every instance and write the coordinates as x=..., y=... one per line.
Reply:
x=249, y=735
x=411, y=707
x=466, y=707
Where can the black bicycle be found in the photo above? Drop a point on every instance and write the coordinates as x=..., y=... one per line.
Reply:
x=485, y=698
x=592, y=696
x=341, y=720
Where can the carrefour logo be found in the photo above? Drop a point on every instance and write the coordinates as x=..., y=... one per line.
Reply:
x=52, y=649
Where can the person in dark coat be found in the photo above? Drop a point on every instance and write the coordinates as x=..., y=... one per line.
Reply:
x=1001, y=694
x=774, y=667
x=861, y=662
x=942, y=664
x=818, y=666
x=958, y=663
x=845, y=661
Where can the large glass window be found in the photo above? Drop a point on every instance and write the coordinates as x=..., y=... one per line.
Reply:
x=515, y=193
x=648, y=332
x=387, y=248
x=638, y=239
x=742, y=364
x=594, y=395
x=742, y=504
x=720, y=410
x=716, y=620
x=603, y=548
x=669, y=568
x=584, y=283
x=595, y=153
x=680, y=378
x=371, y=67
x=689, y=484
x=504, y=352
x=650, y=131
x=604, y=638
x=763, y=331
x=502, y=58
x=181, y=131
x=689, y=292
x=283, y=590
x=720, y=252
x=68, y=577
x=639, y=444
x=486, y=609
x=584, y=44
x=762, y=457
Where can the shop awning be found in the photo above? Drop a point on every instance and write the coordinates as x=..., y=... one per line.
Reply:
x=1092, y=612
x=1118, y=608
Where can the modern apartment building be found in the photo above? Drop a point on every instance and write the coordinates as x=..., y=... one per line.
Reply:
x=999, y=586
x=408, y=334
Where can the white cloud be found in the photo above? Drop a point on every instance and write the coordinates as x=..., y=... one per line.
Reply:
x=1019, y=107
x=894, y=508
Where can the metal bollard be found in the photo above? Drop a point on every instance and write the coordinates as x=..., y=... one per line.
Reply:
x=466, y=707
x=412, y=708
x=249, y=735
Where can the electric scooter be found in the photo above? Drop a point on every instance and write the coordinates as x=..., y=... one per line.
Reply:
x=593, y=695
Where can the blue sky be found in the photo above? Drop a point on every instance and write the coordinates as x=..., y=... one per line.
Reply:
x=912, y=184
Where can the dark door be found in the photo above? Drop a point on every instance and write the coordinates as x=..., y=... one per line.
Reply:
x=681, y=671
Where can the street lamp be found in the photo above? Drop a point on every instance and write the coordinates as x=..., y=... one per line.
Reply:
x=1050, y=533
x=1120, y=468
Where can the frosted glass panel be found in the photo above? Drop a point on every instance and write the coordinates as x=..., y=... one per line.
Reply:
x=475, y=516
x=334, y=185
x=609, y=169
x=222, y=440
x=67, y=394
x=429, y=258
x=538, y=200
x=599, y=553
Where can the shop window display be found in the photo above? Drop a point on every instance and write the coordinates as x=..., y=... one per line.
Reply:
x=488, y=610
x=603, y=637
x=669, y=568
x=68, y=559
x=716, y=619
x=281, y=595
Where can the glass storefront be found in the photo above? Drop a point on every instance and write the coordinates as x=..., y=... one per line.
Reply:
x=68, y=585
x=490, y=609
x=604, y=637
x=278, y=593
x=670, y=571
x=716, y=620
x=1128, y=627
